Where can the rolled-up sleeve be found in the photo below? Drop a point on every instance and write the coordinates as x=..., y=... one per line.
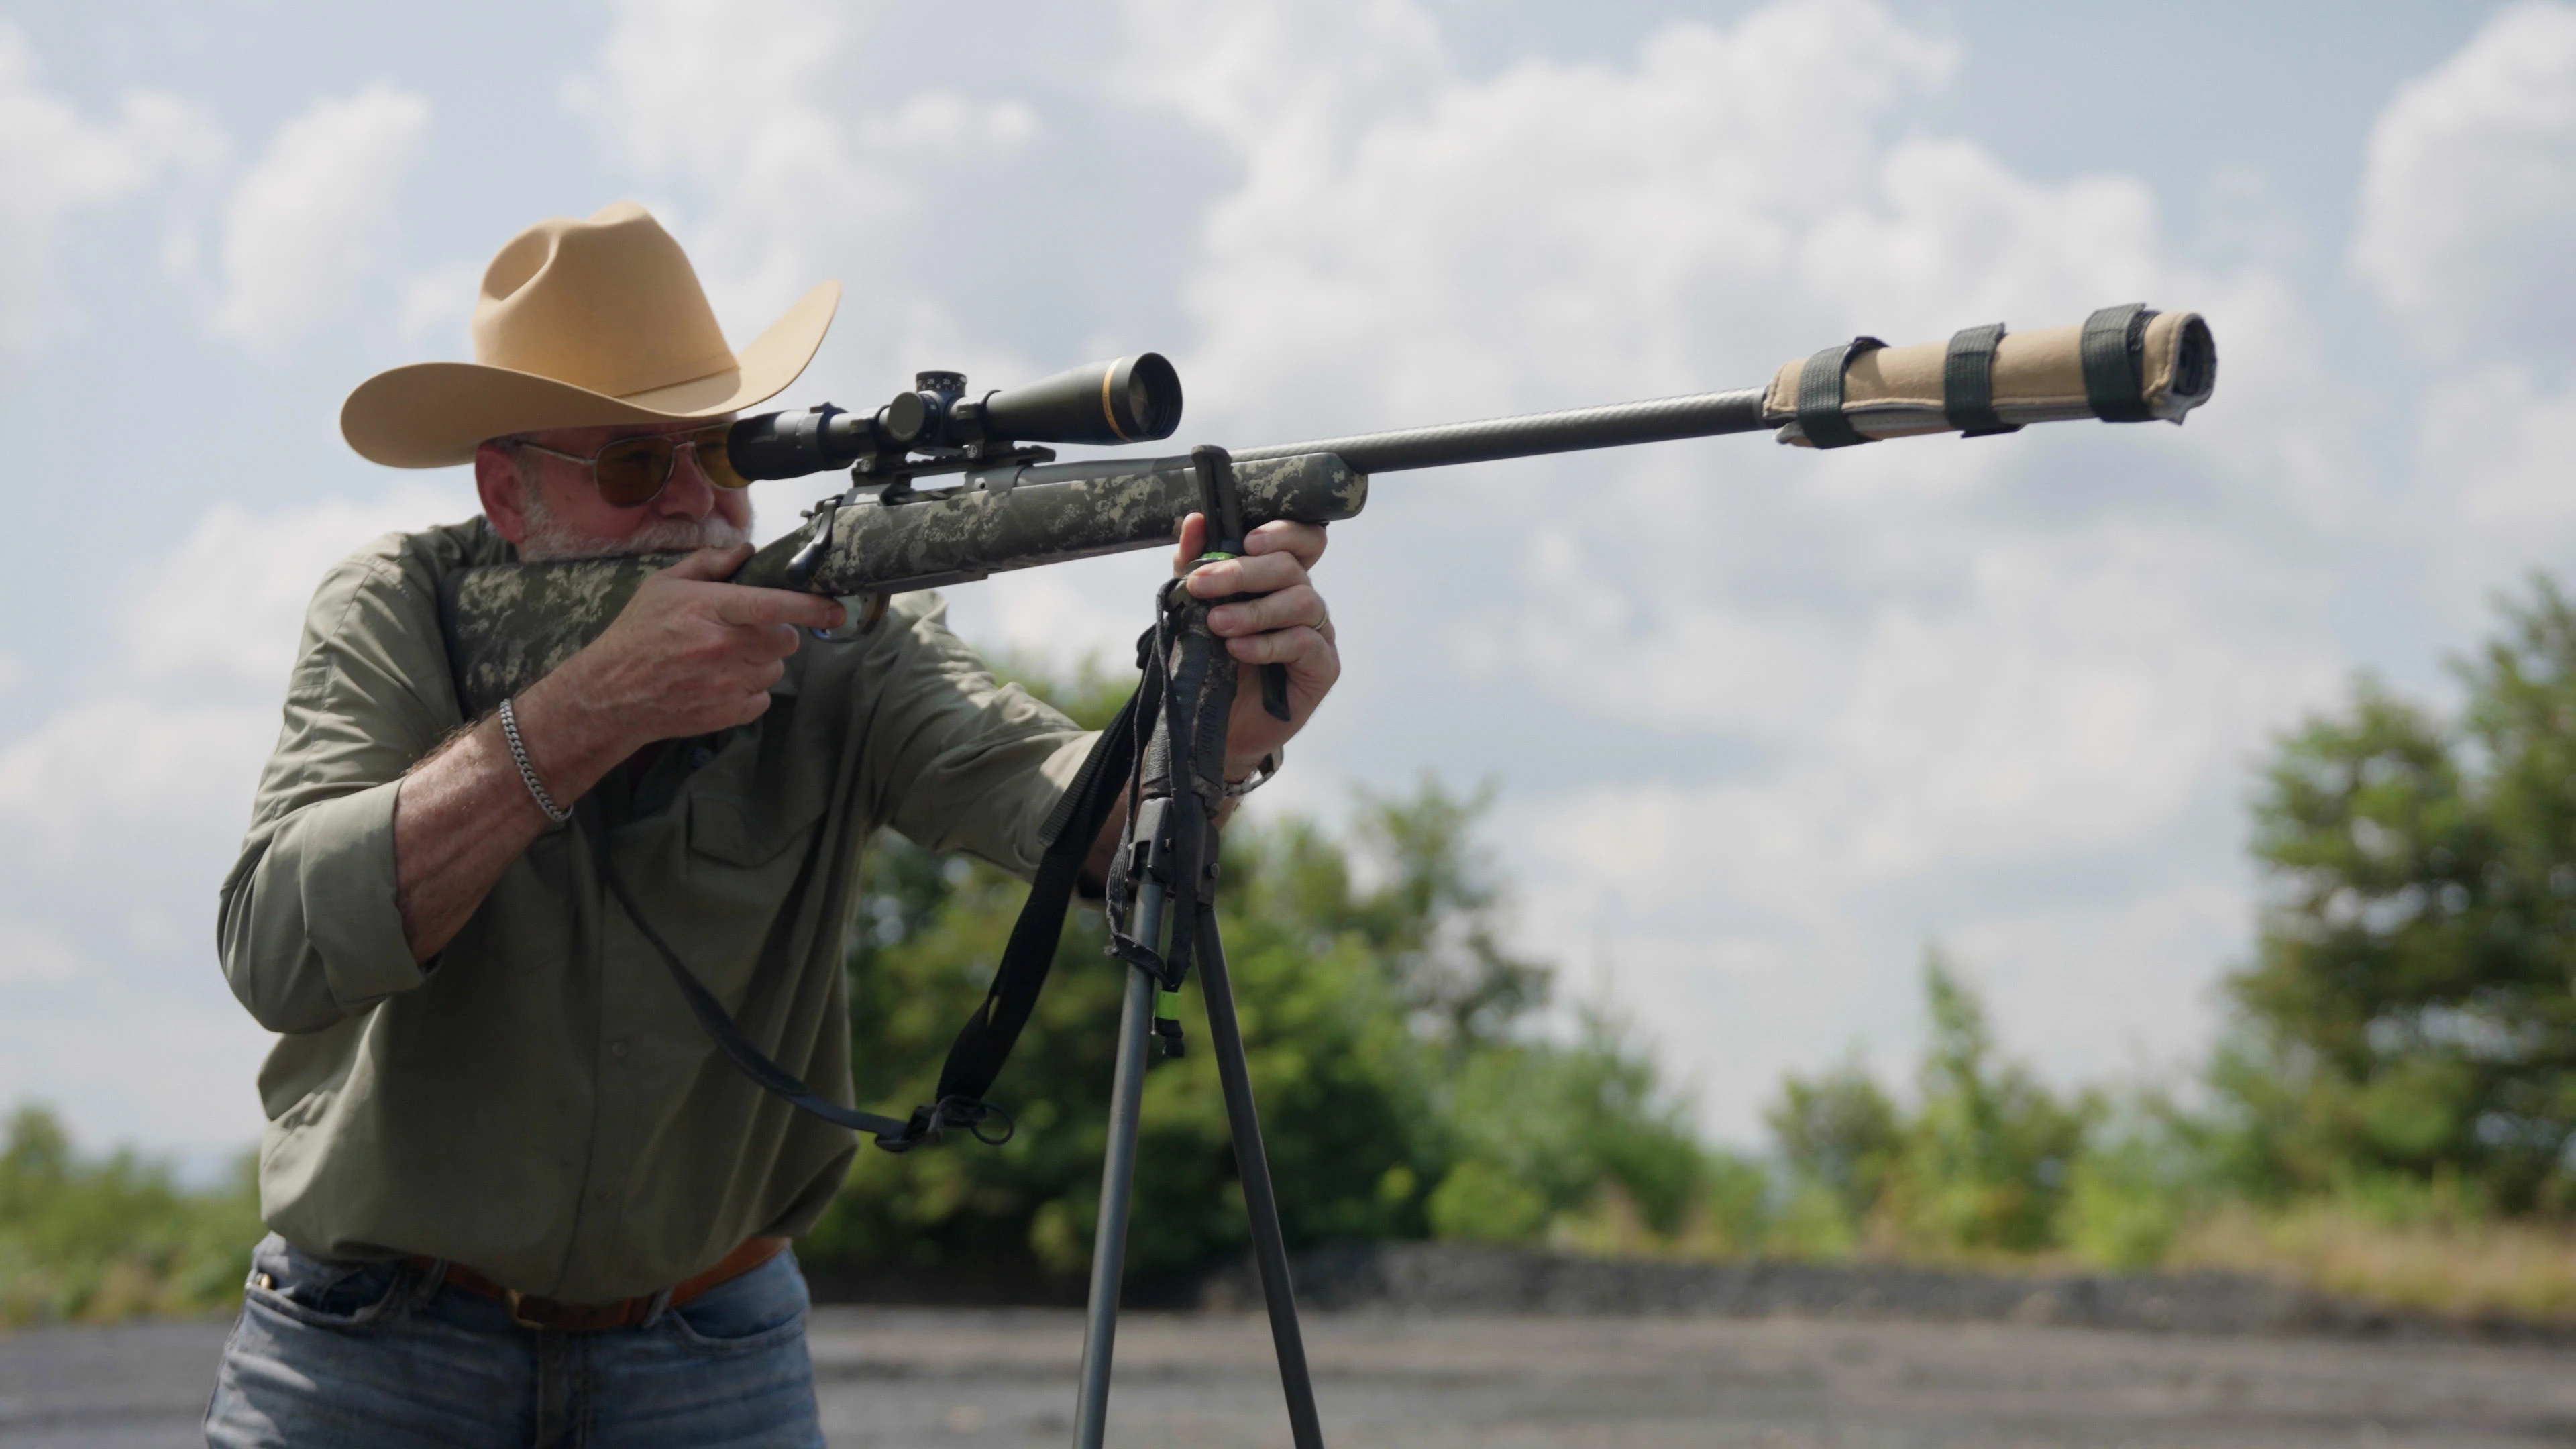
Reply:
x=952, y=758
x=309, y=928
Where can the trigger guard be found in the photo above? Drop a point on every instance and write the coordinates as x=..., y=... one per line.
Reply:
x=868, y=618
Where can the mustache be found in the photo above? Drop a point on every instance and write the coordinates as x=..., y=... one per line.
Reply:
x=550, y=540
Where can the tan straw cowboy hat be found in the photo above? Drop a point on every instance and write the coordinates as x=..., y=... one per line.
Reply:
x=581, y=323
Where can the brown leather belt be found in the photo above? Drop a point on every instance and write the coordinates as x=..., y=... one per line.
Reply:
x=546, y=1313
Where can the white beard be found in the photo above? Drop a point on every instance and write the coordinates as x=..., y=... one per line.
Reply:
x=550, y=540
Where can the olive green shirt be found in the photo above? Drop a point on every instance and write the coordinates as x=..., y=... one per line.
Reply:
x=537, y=1101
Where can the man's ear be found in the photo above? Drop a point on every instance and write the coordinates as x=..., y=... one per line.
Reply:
x=504, y=491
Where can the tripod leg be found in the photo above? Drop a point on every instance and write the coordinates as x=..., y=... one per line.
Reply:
x=1260, y=1202
x=1117, y=1184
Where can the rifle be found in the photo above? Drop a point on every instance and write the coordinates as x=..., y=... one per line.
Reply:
x=1012, y=506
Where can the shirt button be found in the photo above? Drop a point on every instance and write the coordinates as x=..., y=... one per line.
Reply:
x=617, y=1049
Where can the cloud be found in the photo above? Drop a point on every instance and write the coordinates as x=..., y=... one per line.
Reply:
x=56, y=165
x=315, y=219
x=1766, y=720
x=121, y=809
x=2468, y=194
x=227, y=604
x=1769, y=719
x=92, y=774
x=2467, y=222
x=923, y=195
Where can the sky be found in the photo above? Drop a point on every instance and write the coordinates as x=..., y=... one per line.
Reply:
x=1763, y=724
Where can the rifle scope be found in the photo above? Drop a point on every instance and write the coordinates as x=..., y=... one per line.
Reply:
x=1124, y=400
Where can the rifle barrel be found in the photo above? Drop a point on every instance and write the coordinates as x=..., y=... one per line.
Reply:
x=1614, y=425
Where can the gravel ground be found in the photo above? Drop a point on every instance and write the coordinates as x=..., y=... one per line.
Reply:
x=941, y=1378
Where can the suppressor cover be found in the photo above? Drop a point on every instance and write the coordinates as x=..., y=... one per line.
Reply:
x=1894, y=392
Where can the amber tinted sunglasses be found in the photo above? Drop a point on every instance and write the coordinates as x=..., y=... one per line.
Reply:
x=632, y=472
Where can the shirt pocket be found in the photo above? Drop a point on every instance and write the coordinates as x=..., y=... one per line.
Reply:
x=748, y=834
x=758, y=797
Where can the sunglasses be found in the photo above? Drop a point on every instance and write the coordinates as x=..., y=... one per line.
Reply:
x=632, y=472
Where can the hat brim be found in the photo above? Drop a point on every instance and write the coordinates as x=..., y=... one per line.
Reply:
x=434, y=414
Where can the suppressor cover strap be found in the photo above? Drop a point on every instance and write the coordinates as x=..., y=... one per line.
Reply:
x=1820, y=395
x=1968, y=382
x=2113, y=350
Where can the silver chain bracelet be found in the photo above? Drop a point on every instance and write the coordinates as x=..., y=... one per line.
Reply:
x=528, y=772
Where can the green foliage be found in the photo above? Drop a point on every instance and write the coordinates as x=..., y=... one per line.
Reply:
x=1841, y=1137
x=114, y=1237
x=1542, y=1128
x=1439, y=916
x=1985, y=1160
x=1383, y=1022
x=1983, y=1165
x=2145, y=1177
x=2408, y=1011
x=1351, y=999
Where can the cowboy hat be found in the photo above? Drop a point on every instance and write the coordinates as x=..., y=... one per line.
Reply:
x=581, y=323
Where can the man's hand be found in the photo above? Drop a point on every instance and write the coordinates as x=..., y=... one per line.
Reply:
x=689, y=655
x=1288, y=625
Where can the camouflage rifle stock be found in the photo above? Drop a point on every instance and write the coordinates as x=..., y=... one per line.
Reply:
x=1009, y=508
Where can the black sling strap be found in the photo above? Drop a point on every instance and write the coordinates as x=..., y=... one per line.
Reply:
x=1820, y=395
x=984, y=1043
x=2113, y=348
x=1968, y=382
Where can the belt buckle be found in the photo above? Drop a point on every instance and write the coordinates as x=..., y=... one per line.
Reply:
x=512, y=1297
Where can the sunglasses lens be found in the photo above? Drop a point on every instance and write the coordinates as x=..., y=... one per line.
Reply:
x=712, y=461
x=633, y=471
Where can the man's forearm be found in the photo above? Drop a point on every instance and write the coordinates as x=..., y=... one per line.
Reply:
x=463, y=814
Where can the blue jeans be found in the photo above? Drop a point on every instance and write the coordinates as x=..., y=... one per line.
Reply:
x=382, y=1355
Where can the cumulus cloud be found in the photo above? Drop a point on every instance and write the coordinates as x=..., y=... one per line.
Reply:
x=315, y=218
x=2467, y=221
x=1766, y=720
x=2468, y=196
x=788, y=179
x=1825, y=706
x=56, y=164
x=120, y=810
x=227, y=604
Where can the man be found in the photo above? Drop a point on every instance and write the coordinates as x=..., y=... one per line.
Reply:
x=516, y=1194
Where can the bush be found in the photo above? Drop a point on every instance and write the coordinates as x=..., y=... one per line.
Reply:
x=109, y=1238
x=1385, y=1027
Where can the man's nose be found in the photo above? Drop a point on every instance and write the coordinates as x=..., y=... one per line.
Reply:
x=688, y=495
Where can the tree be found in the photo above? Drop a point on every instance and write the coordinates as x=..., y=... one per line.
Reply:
x=2408, y=1010
x=1840, y=1135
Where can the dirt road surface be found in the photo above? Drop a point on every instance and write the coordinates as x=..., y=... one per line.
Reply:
x=947, y=1379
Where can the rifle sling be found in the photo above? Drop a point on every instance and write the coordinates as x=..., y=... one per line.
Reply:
x=984, y=1043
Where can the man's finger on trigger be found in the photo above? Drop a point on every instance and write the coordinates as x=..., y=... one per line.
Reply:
x=751, y=606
